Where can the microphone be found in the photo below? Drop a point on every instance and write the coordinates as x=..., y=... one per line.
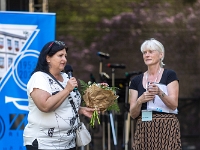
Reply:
x=69, y=71
x=104, y=75
x=130, y=74
x=105, y=55
x=121, y=66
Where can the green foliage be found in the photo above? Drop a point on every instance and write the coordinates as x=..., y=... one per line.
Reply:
x=114, y=107
x=189, y=1
x=84, y=86
x=80, y=18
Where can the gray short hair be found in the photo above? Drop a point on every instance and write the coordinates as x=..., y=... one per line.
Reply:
x=153, y=44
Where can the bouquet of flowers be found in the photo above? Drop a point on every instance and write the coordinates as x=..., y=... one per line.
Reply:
x=99, y=96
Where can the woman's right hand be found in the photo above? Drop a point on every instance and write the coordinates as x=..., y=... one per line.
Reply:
x=148, y=96
x=71, y=84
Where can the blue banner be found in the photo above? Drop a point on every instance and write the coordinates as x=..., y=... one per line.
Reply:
x=22, y=36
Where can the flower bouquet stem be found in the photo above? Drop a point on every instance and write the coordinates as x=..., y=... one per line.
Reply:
x=94, y=117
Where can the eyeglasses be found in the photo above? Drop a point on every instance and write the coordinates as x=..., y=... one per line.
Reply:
x=60, y=43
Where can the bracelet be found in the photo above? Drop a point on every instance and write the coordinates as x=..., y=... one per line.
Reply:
x=162, y=94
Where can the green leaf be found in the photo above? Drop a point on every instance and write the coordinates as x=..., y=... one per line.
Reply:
x=114, y=107
x=84, y=86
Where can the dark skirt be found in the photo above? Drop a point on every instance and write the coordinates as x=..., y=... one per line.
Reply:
x=162, y=133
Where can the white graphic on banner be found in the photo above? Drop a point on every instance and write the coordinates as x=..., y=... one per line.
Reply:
x=14, y=57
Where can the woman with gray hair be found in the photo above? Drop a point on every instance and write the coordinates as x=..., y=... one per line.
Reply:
x=153, y=99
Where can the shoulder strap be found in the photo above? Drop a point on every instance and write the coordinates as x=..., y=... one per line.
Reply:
x=70, y=99
x=55, y=79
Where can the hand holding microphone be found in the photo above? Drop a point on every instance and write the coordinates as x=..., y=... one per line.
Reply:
x=72, y=82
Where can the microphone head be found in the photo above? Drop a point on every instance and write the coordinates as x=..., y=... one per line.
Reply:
x=104, y=55
x=104, y=75
x=121, y=66
x=69, y=71
x=68, y=68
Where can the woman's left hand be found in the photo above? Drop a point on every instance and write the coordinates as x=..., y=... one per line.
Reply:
x=153, y=89
x=86, y=111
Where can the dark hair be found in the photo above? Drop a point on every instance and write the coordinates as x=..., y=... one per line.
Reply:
x=49, y=49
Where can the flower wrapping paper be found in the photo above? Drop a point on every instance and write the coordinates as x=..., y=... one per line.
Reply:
x=99, y=98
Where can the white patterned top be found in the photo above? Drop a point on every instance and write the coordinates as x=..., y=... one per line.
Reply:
x=53, y=130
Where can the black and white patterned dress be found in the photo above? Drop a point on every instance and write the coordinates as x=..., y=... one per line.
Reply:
x=56, y=129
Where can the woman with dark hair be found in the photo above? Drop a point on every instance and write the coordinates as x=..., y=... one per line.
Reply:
x=153, y=102
x=53, y=110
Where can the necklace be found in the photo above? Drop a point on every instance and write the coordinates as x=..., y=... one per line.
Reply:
x=155, y=79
